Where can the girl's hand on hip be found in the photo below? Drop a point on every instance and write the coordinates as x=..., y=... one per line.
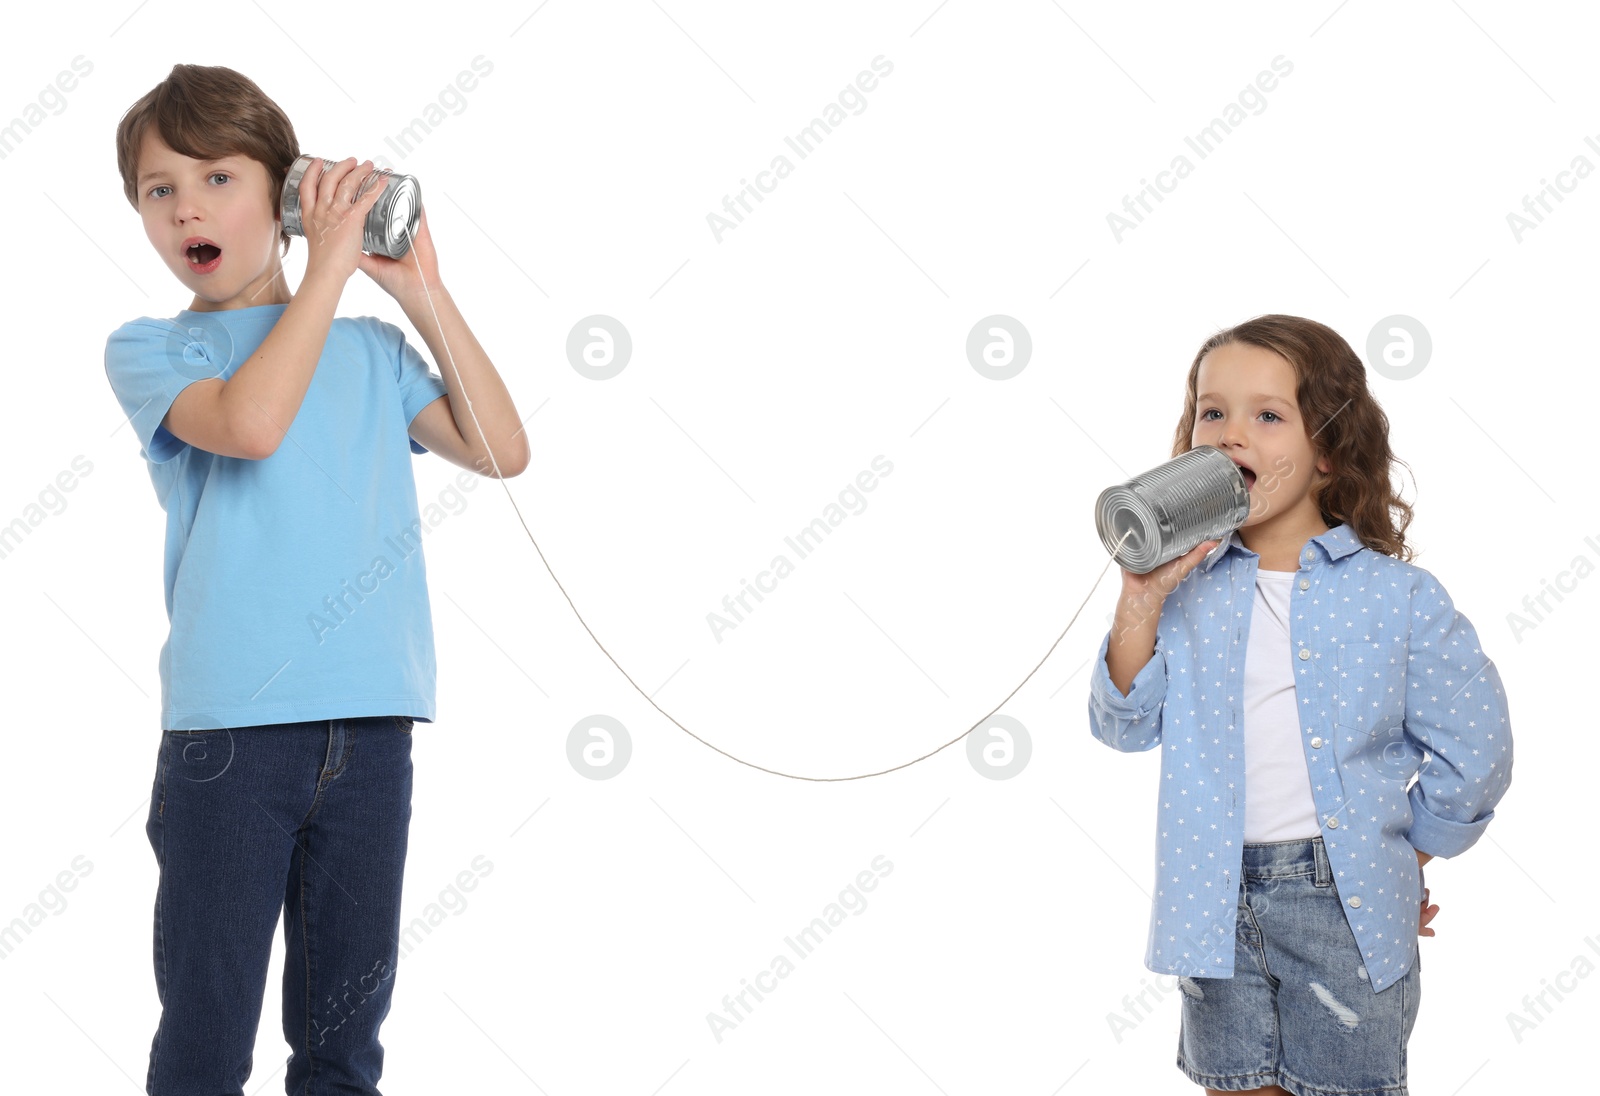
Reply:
x=1428, y=911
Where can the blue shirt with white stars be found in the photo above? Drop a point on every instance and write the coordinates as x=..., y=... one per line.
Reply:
x=1403, y=720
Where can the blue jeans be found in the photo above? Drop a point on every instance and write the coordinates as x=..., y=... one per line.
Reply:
x=1299, y=1011
x=306, y=819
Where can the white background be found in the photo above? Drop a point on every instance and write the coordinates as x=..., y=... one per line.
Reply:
x=768, y=370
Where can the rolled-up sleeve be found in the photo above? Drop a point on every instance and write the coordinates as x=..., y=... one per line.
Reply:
x=1128, y=723
x=1456, y=710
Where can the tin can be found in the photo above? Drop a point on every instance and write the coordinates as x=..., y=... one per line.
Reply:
x=391, y=222
x=1196, y=496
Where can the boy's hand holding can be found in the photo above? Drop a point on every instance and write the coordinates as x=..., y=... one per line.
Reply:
x=333, y=214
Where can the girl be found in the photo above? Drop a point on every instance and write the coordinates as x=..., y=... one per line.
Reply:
x=1328, y=724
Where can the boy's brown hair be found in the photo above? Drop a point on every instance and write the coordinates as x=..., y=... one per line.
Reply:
x=1342, y=419
x=207, y=112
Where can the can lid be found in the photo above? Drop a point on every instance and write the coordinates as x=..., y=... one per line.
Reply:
x=289, y=200
x=395, y=217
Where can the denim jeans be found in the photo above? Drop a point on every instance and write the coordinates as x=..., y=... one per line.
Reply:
x=306, y=819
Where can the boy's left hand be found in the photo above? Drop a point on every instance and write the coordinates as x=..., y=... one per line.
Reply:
x=400, y=278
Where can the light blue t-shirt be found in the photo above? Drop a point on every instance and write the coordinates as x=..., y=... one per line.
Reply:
x=295, y=585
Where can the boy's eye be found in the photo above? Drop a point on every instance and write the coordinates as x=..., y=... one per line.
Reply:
x=213, y=175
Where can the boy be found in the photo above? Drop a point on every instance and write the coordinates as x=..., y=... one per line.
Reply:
x=301, y=650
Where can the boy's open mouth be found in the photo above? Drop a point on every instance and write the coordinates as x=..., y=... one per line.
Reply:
x=204, y=255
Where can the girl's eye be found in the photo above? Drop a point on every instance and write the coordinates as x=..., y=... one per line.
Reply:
x=221, y=174
x=1205, y=416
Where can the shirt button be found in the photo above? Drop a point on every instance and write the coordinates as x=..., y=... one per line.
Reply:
x=1310, y=556
x=1356, y=901
x=1333, y=823
x=1305, y=653
x=1316, y=743
x=1305, y=584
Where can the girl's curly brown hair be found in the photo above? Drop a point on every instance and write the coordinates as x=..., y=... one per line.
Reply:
x=207, y=112
x=1344, y=421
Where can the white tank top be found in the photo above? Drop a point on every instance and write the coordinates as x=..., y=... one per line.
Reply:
x=1278, y=803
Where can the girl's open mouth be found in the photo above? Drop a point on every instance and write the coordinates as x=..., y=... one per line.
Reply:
x=204, y=258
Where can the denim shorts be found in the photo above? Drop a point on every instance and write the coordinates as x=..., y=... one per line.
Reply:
x=1299, y=1011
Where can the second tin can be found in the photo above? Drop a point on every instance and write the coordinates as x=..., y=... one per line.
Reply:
x=1196, y=496
x=391, y=222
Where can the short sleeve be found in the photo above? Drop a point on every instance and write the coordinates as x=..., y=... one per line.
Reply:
x=148, y=362
x=419, y=386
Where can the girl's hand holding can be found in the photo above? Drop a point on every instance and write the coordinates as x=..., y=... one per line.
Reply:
x=1133, y=627
x=1152, y=589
